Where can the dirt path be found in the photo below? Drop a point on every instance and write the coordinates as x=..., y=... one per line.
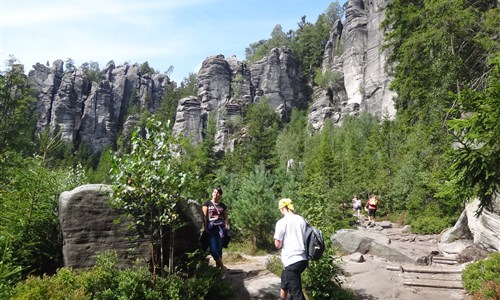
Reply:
x=371, y=279
x=251, y=279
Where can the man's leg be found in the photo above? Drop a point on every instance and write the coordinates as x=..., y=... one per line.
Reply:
x=294, y=272
x=283, y=294
x=284, y=285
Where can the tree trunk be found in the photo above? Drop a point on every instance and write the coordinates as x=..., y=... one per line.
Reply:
x=171, y=254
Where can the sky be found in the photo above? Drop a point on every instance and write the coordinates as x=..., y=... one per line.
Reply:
x=164, y=33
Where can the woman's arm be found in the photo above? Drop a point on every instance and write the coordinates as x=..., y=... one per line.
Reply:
x=205, y=211
x=226, y=219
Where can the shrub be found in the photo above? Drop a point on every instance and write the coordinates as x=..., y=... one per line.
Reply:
x=429, y=224
x=321, y=281
x=274, y=265
x=106, y=282
x=482, y=278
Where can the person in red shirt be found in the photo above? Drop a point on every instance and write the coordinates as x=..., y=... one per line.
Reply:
x=371, y=205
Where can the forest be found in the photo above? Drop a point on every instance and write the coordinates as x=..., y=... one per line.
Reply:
x=441, y=150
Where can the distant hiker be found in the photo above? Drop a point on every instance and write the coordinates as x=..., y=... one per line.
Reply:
x=356, y=205
x=371, y=205
x=289, y=237
x=215, y=222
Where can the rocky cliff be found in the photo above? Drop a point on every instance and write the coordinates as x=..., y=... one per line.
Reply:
x=354, y=52
x=94, y=112
x=90, y=112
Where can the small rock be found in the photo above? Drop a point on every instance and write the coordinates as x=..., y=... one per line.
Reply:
x=357, y=257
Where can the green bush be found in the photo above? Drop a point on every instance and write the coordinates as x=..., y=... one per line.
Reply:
x=106, y=282
x=321, y=281
x=429, y=224
x=274, y=265
x=482, y=278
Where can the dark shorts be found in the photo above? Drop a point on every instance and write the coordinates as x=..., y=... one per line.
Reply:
x=371, y=212
x=291, y=280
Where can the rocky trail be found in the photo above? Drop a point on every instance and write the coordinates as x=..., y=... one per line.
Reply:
x=370, y=276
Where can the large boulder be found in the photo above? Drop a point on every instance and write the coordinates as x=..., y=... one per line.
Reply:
x=357, y=241
x=483, y=230
x=89, y=227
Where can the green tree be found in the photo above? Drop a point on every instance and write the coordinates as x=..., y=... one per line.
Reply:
x=201, y=161
x=70, y=65
x=290, y=142
x=148, y=183
x=262, y=124
x=30, y=192
x=253, y=212
x=438, y=47
x=309, y=44
x=146, y=69
x=16, y=110
x=475, y=158
x=92, y=71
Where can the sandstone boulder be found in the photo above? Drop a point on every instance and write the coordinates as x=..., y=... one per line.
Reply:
x=89, y=227
x=353, y=241
x=483, y=230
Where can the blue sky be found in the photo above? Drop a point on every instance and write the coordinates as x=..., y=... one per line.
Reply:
x=181, y=33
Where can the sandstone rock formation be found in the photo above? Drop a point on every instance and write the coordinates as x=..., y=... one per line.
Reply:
x=482, y=230
x=226, y=86
x=354, y=53
x=89, y=112
x=88, y=228
x=93, y=111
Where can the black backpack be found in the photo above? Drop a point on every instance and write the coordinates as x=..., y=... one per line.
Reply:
x=314, y=243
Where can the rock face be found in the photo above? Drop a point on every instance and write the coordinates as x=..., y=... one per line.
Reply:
x=89, y=112
x=92, y=111
x=354, y=53
x=189, y=120
x=226, y=86
x=88, y=229
x=482, y=230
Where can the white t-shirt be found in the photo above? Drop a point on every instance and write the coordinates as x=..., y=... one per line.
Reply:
x=290, y=231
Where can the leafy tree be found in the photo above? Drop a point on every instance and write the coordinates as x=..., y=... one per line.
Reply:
x=329, y=80
x=262, y=124
x=91, y=69
x=201, y=161
x=102, y=173
x=256, y=51
x=189, y=86
x=30, y=193
x=9, y=273
x=255, y=212
x=438, y=47
x=309, y=44
x=290, y=142
x=475, y=158
x=16, y=110
x=334, y=12
x=146, y=69
x=149, y=183
x=70, y=65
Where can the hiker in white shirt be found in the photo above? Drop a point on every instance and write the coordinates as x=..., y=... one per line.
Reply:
x=289, y=237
